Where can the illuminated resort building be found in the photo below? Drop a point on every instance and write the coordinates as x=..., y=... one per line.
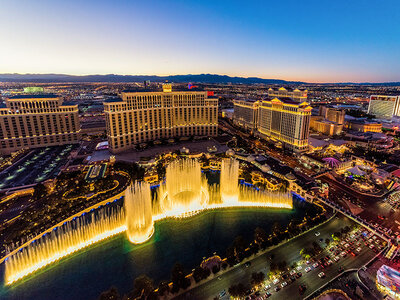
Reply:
x=284, y=116
x=141, y=116
x=332, y=114
x=245, y=114
x=297, y=95
x=384, y=107
x=330, y=121
x=31, y=121
x=286, y=121
x=364, y=126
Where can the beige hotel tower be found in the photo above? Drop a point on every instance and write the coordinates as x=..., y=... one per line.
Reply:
x=32, y=121
x=141, y=116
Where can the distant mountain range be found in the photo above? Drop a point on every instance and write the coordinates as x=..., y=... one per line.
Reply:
x=199, y=78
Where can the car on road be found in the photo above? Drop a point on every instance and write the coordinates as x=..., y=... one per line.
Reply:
x=222, y=293
x=298, y=268
x=277, y=288
x=247, y=264
x=267, y=287
x=283, y=284
x=321, y=275
x=308, y=269
x=292, y=272
x=299, y=274
x=267, y=295
x=336, y=258
x=317, y=233
x=315, y=265
x=343, y=254
x=276, y=281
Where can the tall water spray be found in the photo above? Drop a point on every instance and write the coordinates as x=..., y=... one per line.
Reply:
x=229, y=178
x=138, y=212
x=65, y=240
x=184, y=193
x=185, y=190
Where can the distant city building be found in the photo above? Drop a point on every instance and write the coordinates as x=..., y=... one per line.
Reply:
x=384, y=107
x=364, y=126
x=326, y=127
x=329, y=121
x=245, y=114
x=146, y=115
x=332, y=114
x=297, y=95
x=31, y=121
x=283, y=119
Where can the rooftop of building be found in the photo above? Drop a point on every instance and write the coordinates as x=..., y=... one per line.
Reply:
x=34, y=96
x=364, y=122
x=159, y=89
x=289, y=89
x=286, y=100
x=69, y=103
x=115, y=99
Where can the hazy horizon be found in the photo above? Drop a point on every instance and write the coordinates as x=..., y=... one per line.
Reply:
x=312, y=41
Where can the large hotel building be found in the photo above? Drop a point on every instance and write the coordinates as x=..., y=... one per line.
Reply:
x=284, y=116
x=31, y=121
x=146, y=115
x=384, y=107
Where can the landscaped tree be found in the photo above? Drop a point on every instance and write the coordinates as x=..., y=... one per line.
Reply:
x=215, y=269
x=238, y=290
x=142, y=286
x=336, y=236
x=257, y=278
x=282, y=265
x=317, y=247
x=276, y=229
x=163, y=288
x=260, y=237
x=199, y=273
x=111, y=294
x=178, y=278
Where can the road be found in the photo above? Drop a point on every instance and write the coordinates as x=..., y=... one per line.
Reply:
x=289, y=252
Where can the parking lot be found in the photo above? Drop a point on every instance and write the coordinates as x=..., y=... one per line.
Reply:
x=340, y=258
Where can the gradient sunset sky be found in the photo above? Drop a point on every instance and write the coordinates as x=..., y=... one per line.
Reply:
x=314, y=41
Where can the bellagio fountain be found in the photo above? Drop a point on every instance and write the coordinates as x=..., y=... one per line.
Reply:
x=184, y=193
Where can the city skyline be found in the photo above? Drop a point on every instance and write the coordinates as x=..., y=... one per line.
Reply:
x=345, y=42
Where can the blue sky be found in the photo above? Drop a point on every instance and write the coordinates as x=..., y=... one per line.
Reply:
x=315, y=41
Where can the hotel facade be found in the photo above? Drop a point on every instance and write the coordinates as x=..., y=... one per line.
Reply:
x=246, y=114
x=145, y=115
x=278, y=117
x=384, y=107
x=32, y=121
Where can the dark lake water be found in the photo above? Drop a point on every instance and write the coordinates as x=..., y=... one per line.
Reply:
x=116, y=262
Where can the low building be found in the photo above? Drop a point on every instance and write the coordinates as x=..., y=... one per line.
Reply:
x=364, y=126
x=326, y=127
